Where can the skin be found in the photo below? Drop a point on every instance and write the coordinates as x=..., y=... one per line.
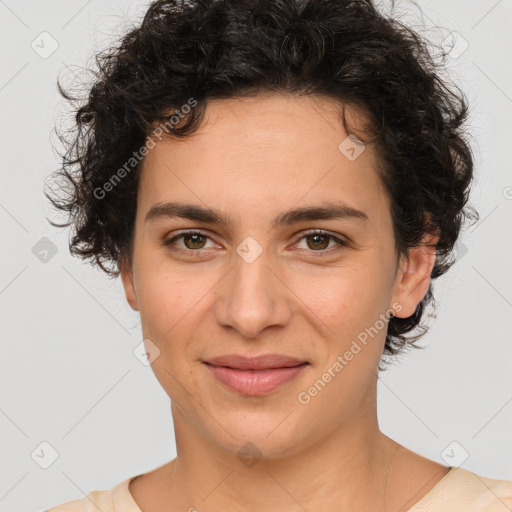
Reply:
x=253, y=159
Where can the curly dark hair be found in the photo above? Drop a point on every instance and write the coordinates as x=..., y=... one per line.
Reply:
x=212, y=49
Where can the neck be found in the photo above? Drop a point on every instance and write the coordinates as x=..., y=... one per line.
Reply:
x=345, y=468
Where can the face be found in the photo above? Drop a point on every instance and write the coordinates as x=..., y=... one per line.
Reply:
x=254, y=279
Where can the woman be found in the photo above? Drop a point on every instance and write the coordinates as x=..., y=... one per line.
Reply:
x=276, y=183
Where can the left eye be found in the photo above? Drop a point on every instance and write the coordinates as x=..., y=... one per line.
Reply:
x=320, y=240
x=316, y=241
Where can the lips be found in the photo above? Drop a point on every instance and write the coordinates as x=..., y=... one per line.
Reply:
x=263, y=362
x=255, y=376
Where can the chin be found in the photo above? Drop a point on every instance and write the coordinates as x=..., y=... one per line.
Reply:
x=260, y=436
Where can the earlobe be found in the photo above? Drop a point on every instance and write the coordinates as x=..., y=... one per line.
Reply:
x=413, y=278
x=126, y=273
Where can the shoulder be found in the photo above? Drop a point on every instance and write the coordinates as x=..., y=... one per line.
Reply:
x=463, y=488
x=117, y=499
x=95, y=500
x=491, y=494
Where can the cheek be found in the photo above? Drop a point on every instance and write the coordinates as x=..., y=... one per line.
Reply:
x=173, y=306
x=162, y=291
x=167, y=319
x=347, y=295
x=163, y=300
x=351, y=303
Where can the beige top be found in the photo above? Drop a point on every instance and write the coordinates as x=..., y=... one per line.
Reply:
x=459, y=490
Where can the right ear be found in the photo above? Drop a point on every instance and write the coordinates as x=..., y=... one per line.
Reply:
x=126, y=273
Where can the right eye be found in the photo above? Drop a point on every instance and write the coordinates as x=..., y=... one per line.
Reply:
x=193, y=241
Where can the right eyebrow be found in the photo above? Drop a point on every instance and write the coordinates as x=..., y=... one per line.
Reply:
x=186, y=211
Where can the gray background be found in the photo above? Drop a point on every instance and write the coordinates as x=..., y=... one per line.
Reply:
x=68, y=374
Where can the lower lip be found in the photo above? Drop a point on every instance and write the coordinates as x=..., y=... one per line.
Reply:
x=255, y=382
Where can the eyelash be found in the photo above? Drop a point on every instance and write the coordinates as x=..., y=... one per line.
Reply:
x=341, y=243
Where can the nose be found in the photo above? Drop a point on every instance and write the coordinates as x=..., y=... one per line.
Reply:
x=252, y=298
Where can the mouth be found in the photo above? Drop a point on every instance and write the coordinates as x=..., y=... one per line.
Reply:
x=255, y=376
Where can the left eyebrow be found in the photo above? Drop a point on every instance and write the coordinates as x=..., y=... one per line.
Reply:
x=198, y=213
x=320, y=212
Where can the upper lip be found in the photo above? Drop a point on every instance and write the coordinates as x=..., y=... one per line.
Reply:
x=255, y=363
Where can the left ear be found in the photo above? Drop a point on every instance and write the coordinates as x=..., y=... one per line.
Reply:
x=413, y=277
x=126, y=273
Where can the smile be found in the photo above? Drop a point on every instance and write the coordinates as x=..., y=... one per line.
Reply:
x=253, y=382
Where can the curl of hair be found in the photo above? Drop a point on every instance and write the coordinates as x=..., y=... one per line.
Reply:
x=214, y=49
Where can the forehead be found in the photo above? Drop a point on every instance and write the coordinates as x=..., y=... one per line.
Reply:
x=265, y=153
